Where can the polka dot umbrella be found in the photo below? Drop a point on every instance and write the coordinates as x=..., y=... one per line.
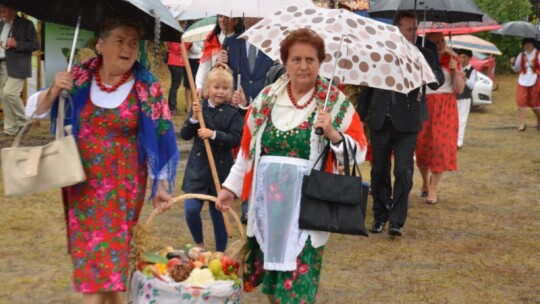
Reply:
x=371, y=53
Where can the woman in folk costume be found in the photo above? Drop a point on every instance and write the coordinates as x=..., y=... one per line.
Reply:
x=528, y=88
x=436, y=148
x=279, y=146
x=124, y=133
x=225, y=27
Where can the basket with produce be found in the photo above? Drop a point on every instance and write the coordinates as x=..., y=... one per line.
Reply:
x=188, y=274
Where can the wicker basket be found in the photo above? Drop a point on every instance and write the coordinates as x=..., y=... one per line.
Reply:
x=145, y=290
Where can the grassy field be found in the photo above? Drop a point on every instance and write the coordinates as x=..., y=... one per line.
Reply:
x=480, y=244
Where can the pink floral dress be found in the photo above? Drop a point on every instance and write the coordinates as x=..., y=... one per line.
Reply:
x=103, y=210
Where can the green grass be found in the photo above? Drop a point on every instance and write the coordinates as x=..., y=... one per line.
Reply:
x=480, y=244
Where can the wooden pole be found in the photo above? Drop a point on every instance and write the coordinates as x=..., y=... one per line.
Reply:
x=206, y=141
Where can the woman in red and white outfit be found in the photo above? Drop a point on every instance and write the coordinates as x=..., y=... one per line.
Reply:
x=528, y=88
x=436, y=148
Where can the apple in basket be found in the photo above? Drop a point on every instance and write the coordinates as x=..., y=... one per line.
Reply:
x=172, y=262
x=215, y=267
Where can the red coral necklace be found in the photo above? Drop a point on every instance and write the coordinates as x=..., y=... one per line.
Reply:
x=115, y=86
x=295, y=103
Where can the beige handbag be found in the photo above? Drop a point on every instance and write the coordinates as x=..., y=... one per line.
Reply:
x=32, y=169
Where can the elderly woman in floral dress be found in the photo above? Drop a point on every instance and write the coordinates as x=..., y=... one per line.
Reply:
x=279, y=146
x=124, y=133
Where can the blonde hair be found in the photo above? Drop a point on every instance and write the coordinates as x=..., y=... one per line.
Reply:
x=220, y=72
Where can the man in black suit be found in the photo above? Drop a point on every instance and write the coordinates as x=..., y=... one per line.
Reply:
x=18, y=39
x=394, y=121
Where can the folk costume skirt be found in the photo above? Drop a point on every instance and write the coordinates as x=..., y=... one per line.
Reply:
x=436, y=147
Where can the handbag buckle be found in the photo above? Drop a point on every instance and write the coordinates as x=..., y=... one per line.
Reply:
x=31, y=165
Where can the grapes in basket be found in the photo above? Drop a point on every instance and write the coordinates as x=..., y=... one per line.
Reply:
x=191, y=265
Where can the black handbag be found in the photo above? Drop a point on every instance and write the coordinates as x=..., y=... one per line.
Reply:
x=332, y=202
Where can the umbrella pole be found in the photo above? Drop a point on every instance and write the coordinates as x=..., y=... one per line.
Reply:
x=319, y=131
x=206, y=142
x=65, y=93
x=424, y=29
x=74, y=45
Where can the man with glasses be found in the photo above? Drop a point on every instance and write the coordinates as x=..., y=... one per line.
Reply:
x=394, y=120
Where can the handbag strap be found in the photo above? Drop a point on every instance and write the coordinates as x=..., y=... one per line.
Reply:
x=59, y=122
x=355, y=167
x=326, y=151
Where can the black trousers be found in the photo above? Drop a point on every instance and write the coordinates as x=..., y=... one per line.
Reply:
x=391, y=205
x=176, y=78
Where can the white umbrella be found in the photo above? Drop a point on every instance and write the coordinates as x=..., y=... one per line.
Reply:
x=180, y=10
x=473, y=43
x=372, y=53
x=245, y=8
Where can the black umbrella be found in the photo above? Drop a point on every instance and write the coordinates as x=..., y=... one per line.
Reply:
x=92, y=12
x=448, y=11
x=520, y=29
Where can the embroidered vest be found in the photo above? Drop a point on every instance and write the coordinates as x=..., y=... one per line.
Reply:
x=467, y=93
x=535, y=63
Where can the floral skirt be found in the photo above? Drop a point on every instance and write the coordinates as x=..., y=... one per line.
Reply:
x=298, y=286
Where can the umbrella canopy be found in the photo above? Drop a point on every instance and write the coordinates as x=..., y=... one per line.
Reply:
x=520, y=29
x=448, y=11
x=94, y=11
x=473, y=43
x=459, y=28
x=199, y=30
x=179, y=9
x=372, y=53
x=243, y=8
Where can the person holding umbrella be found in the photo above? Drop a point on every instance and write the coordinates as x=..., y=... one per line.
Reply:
x=279, y=146
x=436, y=149
x=124, y=133
x=224, y=28
x=394, y=121
x=527, y=64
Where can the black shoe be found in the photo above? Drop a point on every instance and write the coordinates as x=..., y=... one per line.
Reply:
x=377, y=227
x=394, y=230
x=243, y=218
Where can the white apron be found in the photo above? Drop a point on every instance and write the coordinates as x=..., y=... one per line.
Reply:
x=277, y=208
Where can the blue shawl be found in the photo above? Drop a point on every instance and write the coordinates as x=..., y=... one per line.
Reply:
x=156, y=141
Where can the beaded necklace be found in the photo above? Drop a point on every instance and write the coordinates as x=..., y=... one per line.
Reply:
x=115, y=86
x=295, y=103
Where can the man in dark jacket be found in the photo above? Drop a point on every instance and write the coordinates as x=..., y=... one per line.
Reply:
x=394, y=121
x=18, y=39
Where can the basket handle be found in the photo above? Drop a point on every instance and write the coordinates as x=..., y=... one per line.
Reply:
x=203, y=197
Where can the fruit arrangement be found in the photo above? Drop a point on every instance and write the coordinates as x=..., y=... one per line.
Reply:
x=191, y=265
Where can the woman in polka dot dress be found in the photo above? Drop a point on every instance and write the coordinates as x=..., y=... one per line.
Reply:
x=436, y=149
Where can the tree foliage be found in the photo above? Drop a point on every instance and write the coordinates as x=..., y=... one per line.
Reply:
x=504, y=11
